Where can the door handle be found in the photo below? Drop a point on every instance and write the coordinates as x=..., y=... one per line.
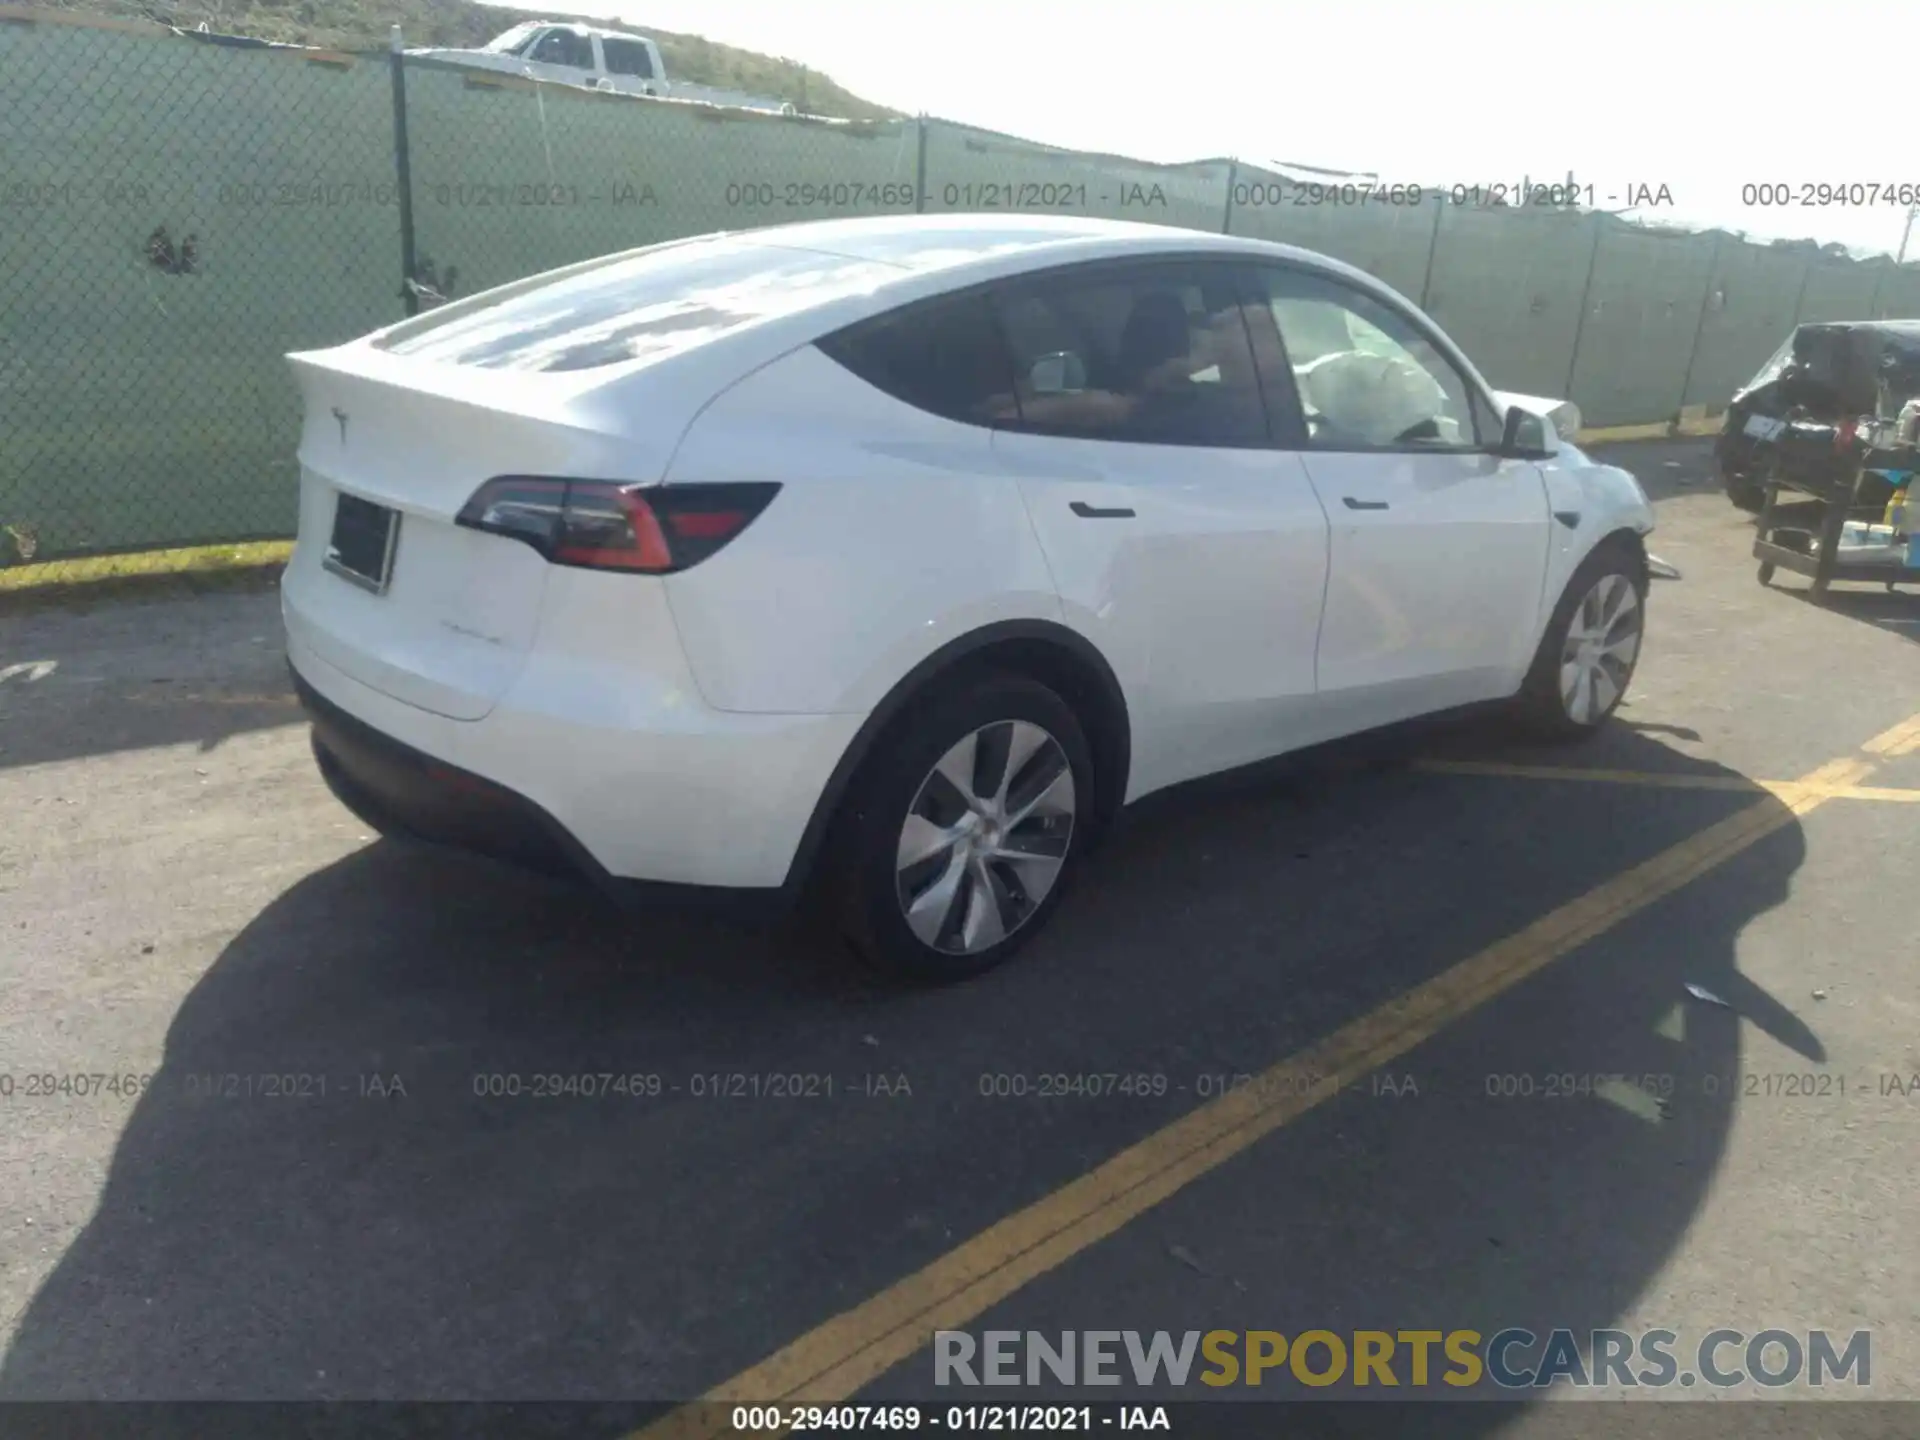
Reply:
x=1096, y=512
x=1353, y=504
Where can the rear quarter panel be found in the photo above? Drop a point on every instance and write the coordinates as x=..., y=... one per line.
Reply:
x=895, y=532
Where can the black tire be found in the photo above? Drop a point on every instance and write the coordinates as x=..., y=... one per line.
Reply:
x=1540, y=706
x=864, y=880
x=1747, y=495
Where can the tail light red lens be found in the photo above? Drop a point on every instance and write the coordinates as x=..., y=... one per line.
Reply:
x=607, y=528
x=604, y=525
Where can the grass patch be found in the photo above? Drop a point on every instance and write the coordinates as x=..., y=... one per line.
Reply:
x=101, y=576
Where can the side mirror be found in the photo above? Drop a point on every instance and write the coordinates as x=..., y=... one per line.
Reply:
x=1525, y=436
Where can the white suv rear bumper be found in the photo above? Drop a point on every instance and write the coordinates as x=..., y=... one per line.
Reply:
x=651, y=783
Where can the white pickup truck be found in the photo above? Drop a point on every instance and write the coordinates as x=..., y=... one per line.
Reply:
x=575, y=54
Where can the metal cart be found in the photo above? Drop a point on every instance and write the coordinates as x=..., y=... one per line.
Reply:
x=1809, y=497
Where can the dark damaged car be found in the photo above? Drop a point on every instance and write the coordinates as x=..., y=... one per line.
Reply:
x=1825, y=375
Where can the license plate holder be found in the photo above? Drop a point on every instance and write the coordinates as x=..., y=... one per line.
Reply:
x=361, y=547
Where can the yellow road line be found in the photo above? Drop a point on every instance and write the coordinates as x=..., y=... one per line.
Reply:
x=1614, y=777
x=1875, y=792
x=839, y=1357
x=1654, y=779
x=1902, y=739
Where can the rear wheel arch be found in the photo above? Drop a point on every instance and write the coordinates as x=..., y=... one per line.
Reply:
x=1055, y=656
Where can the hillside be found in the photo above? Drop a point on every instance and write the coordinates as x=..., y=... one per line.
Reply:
x=364, y=25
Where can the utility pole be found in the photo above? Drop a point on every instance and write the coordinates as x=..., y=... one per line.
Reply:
x=1906, y=235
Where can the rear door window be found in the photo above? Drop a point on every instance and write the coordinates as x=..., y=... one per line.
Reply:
x=1150, y=354
x=943, y=356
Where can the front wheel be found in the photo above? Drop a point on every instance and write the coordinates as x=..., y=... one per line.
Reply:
x=964, y=828
x=1592, y=645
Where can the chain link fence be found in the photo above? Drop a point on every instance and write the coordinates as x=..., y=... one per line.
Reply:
x=173, y=218
x=177, y=212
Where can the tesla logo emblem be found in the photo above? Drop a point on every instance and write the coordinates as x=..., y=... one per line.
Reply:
x=341, y=416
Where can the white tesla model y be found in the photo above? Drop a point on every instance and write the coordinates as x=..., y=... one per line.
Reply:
x=887, y=559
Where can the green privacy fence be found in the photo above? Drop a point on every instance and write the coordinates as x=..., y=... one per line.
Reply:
x=152, y=272
x=175, y=215
x=1392, y=239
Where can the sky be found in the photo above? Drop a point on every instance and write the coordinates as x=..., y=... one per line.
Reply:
x=1703, y=97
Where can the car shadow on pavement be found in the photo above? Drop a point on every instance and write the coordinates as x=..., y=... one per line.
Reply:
x=349, y=1179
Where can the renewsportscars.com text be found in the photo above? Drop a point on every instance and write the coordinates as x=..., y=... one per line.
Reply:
x=1511, y=1359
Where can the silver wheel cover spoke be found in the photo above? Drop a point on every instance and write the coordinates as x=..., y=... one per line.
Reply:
x=985, y=838
x=957, y=765
x=1035, y=868
x=921, y=839
x=985, y=923
x=1601, y=648
x=1024, y=742
x=930, y=910
x=1055, y=799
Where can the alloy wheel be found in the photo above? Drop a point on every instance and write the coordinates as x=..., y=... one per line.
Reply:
x=1601, y=649
x=985, y=838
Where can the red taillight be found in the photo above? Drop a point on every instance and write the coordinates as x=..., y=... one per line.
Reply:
x=604, y=525
x=1844, y=432
x=711, y=525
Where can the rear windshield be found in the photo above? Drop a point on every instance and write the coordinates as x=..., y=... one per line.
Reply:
x=645, y=307
x=511, y=42
x=1771, y=370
